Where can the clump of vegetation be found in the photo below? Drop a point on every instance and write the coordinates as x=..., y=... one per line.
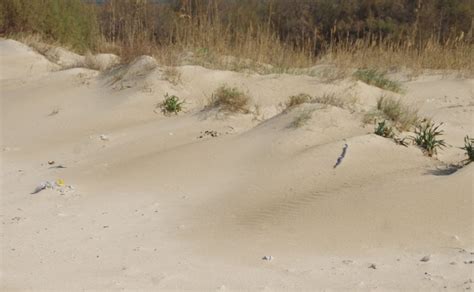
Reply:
x=295, y=100
x=376, y=78
x=401, y=115
x=72, y=23
x=329, y=99
x=230, y=99
x=171, y=104
x=469, y=148
x=384, y=130
x=302, y=119
x=427, y=137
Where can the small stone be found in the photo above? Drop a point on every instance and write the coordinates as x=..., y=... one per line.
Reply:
x=469, y=262
x=425, y=258
x=373, y=266
x=104, y=138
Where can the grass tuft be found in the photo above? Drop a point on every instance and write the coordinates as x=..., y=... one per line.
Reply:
x=329, y=99
x=296, y=100
x=171, y=104
x=230, y=99
x=469, y=148
x=427, y=137
x=389, y=108
x=376, y=78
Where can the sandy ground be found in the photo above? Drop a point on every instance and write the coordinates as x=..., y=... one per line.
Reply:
x=152, y=205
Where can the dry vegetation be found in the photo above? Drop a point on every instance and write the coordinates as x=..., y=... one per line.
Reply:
x=230, y=100
x=389, y=108
x=296, y=100
x=265, y=36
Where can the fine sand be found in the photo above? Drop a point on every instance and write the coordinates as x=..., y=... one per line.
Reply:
x=152, y=202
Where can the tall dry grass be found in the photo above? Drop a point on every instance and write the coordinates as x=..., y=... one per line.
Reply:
x=264, y=36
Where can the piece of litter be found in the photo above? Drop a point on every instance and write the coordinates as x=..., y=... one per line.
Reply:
x=267, y=258
x=60, y=182
x=42, y=186
x=425, y=258
x=104, y=138
x=341, y=157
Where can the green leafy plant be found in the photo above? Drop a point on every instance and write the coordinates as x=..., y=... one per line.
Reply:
x=230, y=99
x=383, y=129
x=469, y=148
x=171, y=104
x=376, y=78
x=427, y=137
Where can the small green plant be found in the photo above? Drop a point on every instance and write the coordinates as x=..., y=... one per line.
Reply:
x=230, y=99
x=171, y=104
x=427, y=137
x=295, y=100
x=383, y=129
x=302, y=119
x=376, y=78
x=469, y=148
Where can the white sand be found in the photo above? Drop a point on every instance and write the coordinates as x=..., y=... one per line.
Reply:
x=156, y=207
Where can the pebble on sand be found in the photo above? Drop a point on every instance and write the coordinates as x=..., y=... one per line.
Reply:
x=425, y=258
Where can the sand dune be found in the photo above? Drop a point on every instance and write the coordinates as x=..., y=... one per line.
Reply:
x=156, y=206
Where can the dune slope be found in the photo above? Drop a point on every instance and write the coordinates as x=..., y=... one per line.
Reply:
x=156, y=203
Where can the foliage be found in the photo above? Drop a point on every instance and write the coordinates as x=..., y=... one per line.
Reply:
x=171, y=104
x=384, y=130
x=72, y=23
x=378, y=79
x=469, y=148
x=285, y=34
x=427, y=137
x=230, y=99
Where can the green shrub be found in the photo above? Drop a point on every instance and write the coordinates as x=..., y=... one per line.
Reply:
x=171, y=104
x=427, y=137
x=469, y=148
x=384, y=130
x=230, y=99
x=373, y=77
